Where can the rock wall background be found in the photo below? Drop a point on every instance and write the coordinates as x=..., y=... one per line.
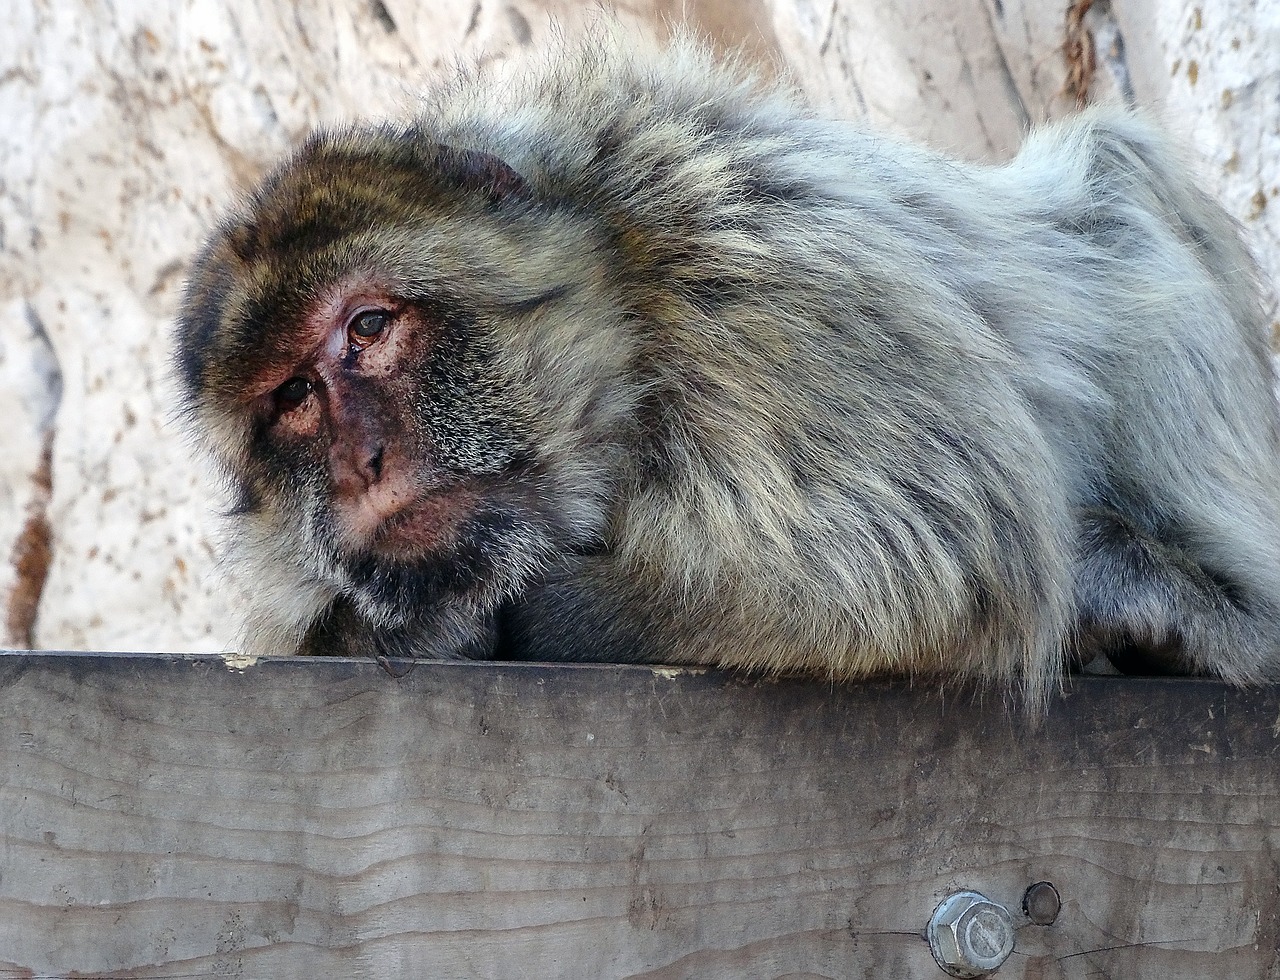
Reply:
x=127, y=126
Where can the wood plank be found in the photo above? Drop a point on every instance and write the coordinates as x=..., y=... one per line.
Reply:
x=169, y=815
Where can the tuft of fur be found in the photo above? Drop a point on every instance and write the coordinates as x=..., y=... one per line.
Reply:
x=787, y=394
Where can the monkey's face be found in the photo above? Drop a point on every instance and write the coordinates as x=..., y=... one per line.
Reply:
x=371, y=436
x=382, y=396
x=365, y=350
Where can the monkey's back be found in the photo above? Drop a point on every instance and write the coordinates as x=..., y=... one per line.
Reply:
x=832, y=451
x=881, y=380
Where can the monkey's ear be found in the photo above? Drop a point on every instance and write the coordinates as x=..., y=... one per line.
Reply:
x=484, y=173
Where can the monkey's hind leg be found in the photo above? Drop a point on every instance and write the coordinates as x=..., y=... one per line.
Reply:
x=1151, y=609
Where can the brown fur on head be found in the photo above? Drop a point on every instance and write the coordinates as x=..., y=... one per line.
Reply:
x=373, y=416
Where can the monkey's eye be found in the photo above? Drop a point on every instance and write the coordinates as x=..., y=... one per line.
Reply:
x=292, y=393
x=366, y=325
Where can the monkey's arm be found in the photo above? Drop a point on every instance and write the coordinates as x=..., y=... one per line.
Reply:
x=341, y=632
x=582, y=612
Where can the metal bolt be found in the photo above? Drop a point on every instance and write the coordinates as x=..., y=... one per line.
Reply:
x=970, y=935
x=1042, y=903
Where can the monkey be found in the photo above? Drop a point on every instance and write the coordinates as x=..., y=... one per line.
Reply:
x=629, y=356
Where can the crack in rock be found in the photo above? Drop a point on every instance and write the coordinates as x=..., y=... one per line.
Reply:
x=33, y=549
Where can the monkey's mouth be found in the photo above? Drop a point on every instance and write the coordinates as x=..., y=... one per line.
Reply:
x=429, y=525
x=406, y=522
x=441, y=547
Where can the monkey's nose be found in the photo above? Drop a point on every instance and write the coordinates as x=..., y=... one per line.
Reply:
x=357, y=467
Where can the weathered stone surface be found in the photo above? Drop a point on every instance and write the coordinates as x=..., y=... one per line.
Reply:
x=968, y=77
x=127, y=127
x=1213, y=72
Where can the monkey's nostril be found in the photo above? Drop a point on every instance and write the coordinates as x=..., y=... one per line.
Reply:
x=375, y=463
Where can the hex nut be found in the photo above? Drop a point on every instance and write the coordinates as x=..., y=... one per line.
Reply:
x=970, y=935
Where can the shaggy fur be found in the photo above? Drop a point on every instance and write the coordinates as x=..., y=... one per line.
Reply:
x=756, y=389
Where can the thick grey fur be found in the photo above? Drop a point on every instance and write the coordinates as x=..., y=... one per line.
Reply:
x=812, y=400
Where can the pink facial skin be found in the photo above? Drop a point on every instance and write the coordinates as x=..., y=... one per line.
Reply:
x=344, y=392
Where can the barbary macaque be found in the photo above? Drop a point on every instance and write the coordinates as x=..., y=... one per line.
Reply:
x=632, y=358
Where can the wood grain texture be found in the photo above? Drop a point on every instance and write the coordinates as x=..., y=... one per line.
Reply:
x=169, y=816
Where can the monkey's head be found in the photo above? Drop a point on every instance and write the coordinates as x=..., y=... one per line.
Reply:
x=394, y=352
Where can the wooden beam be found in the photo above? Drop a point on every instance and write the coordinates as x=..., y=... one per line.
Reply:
x=168, y=816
